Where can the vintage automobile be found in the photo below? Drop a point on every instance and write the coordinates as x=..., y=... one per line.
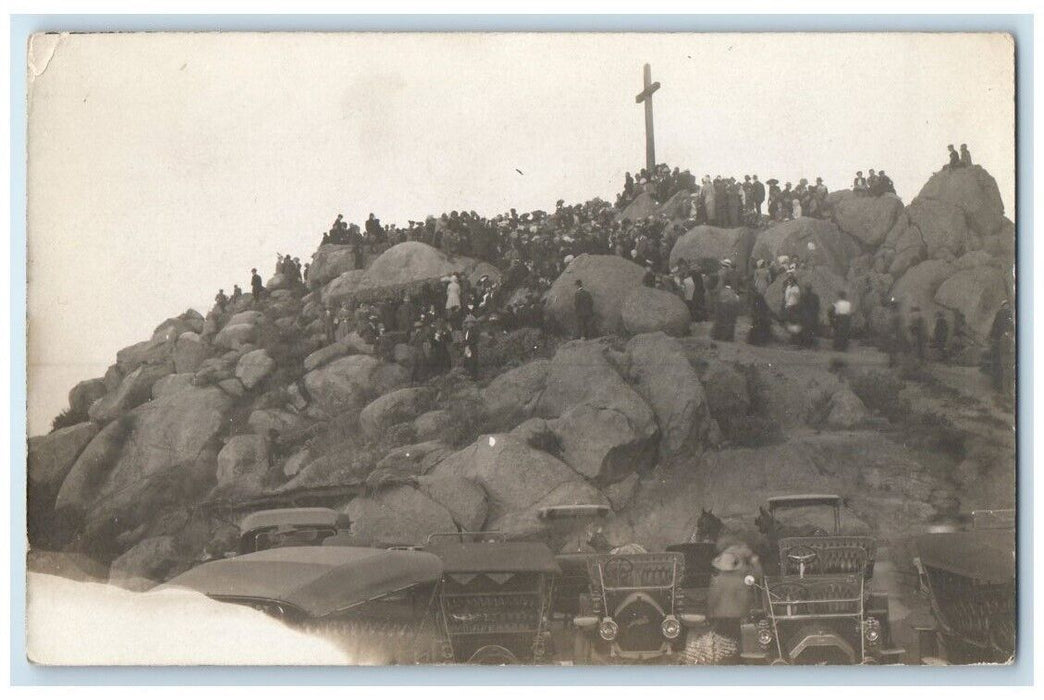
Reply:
x=289, y=527
x=817, y=606
x=377, y=604
x=495, y=598
x=634, y=610
x=969, y=578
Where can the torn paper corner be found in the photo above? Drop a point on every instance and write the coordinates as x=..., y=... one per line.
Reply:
x=42, y=47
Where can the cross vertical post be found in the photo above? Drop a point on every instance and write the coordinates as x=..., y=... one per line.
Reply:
x=646, y=96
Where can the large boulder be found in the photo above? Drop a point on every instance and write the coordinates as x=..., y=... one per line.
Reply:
x=609, y=279
x=236, y=335
x=160, y=452
x=670, y=386
x=84, y=394
x=943, y=228
x=517, y=479
x=406, y=264
x=398, y=515
x=644, y=205
x=342, y=287
x=578, y=371
x=648, y=310
x=396, y=407
x=817, y=241
x=265, y=420
x=716, y=243
x=278, y=282
x=406, y=463
x=845, y=410
x=51, y=456
x=605, y=429
x=465, y=500
x=189, y=352
x=325, y=354
x=973, y=191
x=135, y=389
x=725, y=389
x=253, y=367
x=512, y=396
x=243, y=462
x=329, y=262
x=344, y=383
x=825, y=283
x=908, y=246
x=153, y=351
x=867, y=219
x=172, y=383
x=976, y=293
x=919, y=285
x=608, y=437
x=147, y=563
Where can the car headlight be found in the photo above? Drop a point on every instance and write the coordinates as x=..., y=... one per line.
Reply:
x=671, y=627
x=872, y=630
x=764, y=633
x=608, y=629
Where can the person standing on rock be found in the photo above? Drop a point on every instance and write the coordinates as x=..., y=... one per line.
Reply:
x=809, y=315
x=237, y=294
x=725, y=312
x=918, y=331
x=841, y=321
x=453, y=299
x=1002, y=350
x=257, y=288
x=221, y=301
x=583, y=306
x=966, y=160
x=760, y=321
x=757, y=192
x=709, y=201
x=471, y=345
x=940, y=334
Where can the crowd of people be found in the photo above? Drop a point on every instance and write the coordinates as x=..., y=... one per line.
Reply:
x=532, y=249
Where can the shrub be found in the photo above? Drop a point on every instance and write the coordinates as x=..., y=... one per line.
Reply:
x=879, y=392
x=66, y=418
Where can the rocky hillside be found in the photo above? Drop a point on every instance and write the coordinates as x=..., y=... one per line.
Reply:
x=215, y=416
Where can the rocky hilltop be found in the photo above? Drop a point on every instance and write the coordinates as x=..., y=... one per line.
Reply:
x=214, y=416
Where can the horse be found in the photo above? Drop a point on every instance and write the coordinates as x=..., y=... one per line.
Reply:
x=708, y=527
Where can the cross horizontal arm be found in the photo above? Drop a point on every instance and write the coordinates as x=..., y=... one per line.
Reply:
x=647, y=92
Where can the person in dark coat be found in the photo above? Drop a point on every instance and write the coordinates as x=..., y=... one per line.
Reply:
x=840, y=313
x=583, y=306
x=940, y=336
x=758, y=195
x=698, y=305
x=471, y=345
x=257, y=288
x=808, y=312
x=955, y=157
x=966, y=160
x=1002, y=350
x=760, y=321
x=221, y=301
x=725, y=312
x=918, y=332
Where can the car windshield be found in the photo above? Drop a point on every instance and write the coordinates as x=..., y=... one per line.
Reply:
x=804, y=520
x=297, y=537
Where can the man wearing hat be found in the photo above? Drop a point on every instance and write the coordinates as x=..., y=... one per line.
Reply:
x=471, y=344
x=729, y=598
x=583, y=306
x=257, y=287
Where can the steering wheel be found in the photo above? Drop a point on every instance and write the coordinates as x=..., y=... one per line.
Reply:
x=802, y=555
x=620, y=565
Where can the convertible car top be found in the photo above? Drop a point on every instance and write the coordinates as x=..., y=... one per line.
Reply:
x=501, y=557
x=987, y=556
x=317, y=581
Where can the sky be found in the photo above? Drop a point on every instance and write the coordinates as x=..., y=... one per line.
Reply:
x=162, y=167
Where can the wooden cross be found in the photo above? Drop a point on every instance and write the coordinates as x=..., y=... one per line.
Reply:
x=646, y=97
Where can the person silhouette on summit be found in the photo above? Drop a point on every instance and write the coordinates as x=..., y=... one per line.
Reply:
x=583, y=304
x=257, y=288
x=966, y=160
